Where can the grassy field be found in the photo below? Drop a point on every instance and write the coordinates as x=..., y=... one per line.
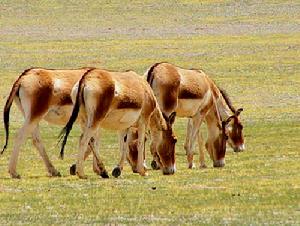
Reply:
x=250, y=48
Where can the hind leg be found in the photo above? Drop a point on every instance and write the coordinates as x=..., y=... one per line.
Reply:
x=19, y=140
x=98, y=165
x=88, y=133
x=93, y=147
x=193, y=131
x=187, y=143
x=37, y=142
x=141, y=147
x=201, y=150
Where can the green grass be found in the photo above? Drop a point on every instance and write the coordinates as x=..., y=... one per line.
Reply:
x=250, y=48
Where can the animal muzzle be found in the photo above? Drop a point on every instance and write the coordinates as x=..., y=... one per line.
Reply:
x=239, y=148
x=219, y=163
x=169, y=170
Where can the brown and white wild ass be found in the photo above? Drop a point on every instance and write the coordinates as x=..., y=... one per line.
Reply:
x=116, y=101
x=192, y=94
x=42, y=94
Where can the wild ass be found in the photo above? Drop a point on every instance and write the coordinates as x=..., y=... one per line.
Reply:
x=42, y=94
x=192, y=94
x=116, y=101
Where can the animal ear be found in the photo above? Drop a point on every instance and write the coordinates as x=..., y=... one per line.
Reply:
x=172, y=118
x=175, y=140
x=165, y=117
x=238, y=112
x=228, y=120
x=224, y=123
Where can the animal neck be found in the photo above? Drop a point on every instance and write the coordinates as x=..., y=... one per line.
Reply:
x=215, y=132
x=157, y=121
x=213, y=121
x=223, y=108
x=225, y=104
x=220, y=104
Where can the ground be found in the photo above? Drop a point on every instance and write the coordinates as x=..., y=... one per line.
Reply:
x=250, y=48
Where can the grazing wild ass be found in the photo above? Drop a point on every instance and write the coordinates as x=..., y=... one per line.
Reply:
x=116, y=101
x=192, y=94
x=42, y=94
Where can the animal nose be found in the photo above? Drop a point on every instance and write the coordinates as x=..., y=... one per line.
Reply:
x=169, y=170
x=219, y=163
x=239, y=148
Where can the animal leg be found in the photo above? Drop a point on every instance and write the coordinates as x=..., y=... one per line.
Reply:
x=123, y=147
x=98, y=165
x=141, y=147
x=201, y=150
x=83, y=145
x=86, y=155
x=37, y=142
x=19, y=140
x=195, y=130
x=187, y=143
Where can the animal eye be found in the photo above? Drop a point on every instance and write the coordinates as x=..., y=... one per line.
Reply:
x=225, y=136
x=175, y=140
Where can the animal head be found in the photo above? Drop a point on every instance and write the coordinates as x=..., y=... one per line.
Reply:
x=235, y=132
x=163, y=147
x=216, y=143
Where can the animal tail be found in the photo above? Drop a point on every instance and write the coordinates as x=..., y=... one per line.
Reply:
x=150, y=74
x=9, y=101
x=63, y=136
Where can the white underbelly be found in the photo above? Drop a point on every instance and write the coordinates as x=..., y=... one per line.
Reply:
x=59, y=115
x=120, y=119
x=187, y=107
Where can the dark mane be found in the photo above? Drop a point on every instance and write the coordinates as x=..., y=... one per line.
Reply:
x=198, y=70
x=227, y=100
x=26, y=71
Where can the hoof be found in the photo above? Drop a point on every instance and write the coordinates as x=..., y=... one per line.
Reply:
x=154, y=165
x=143, y=173
x=56, y=174
x=116, y=171
x=134, y=170
x=191, y=165
x=82, y=176
x=73, y=170
x=97, y=171
x=104, y=174
x=203, y=166
x=15, y=176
